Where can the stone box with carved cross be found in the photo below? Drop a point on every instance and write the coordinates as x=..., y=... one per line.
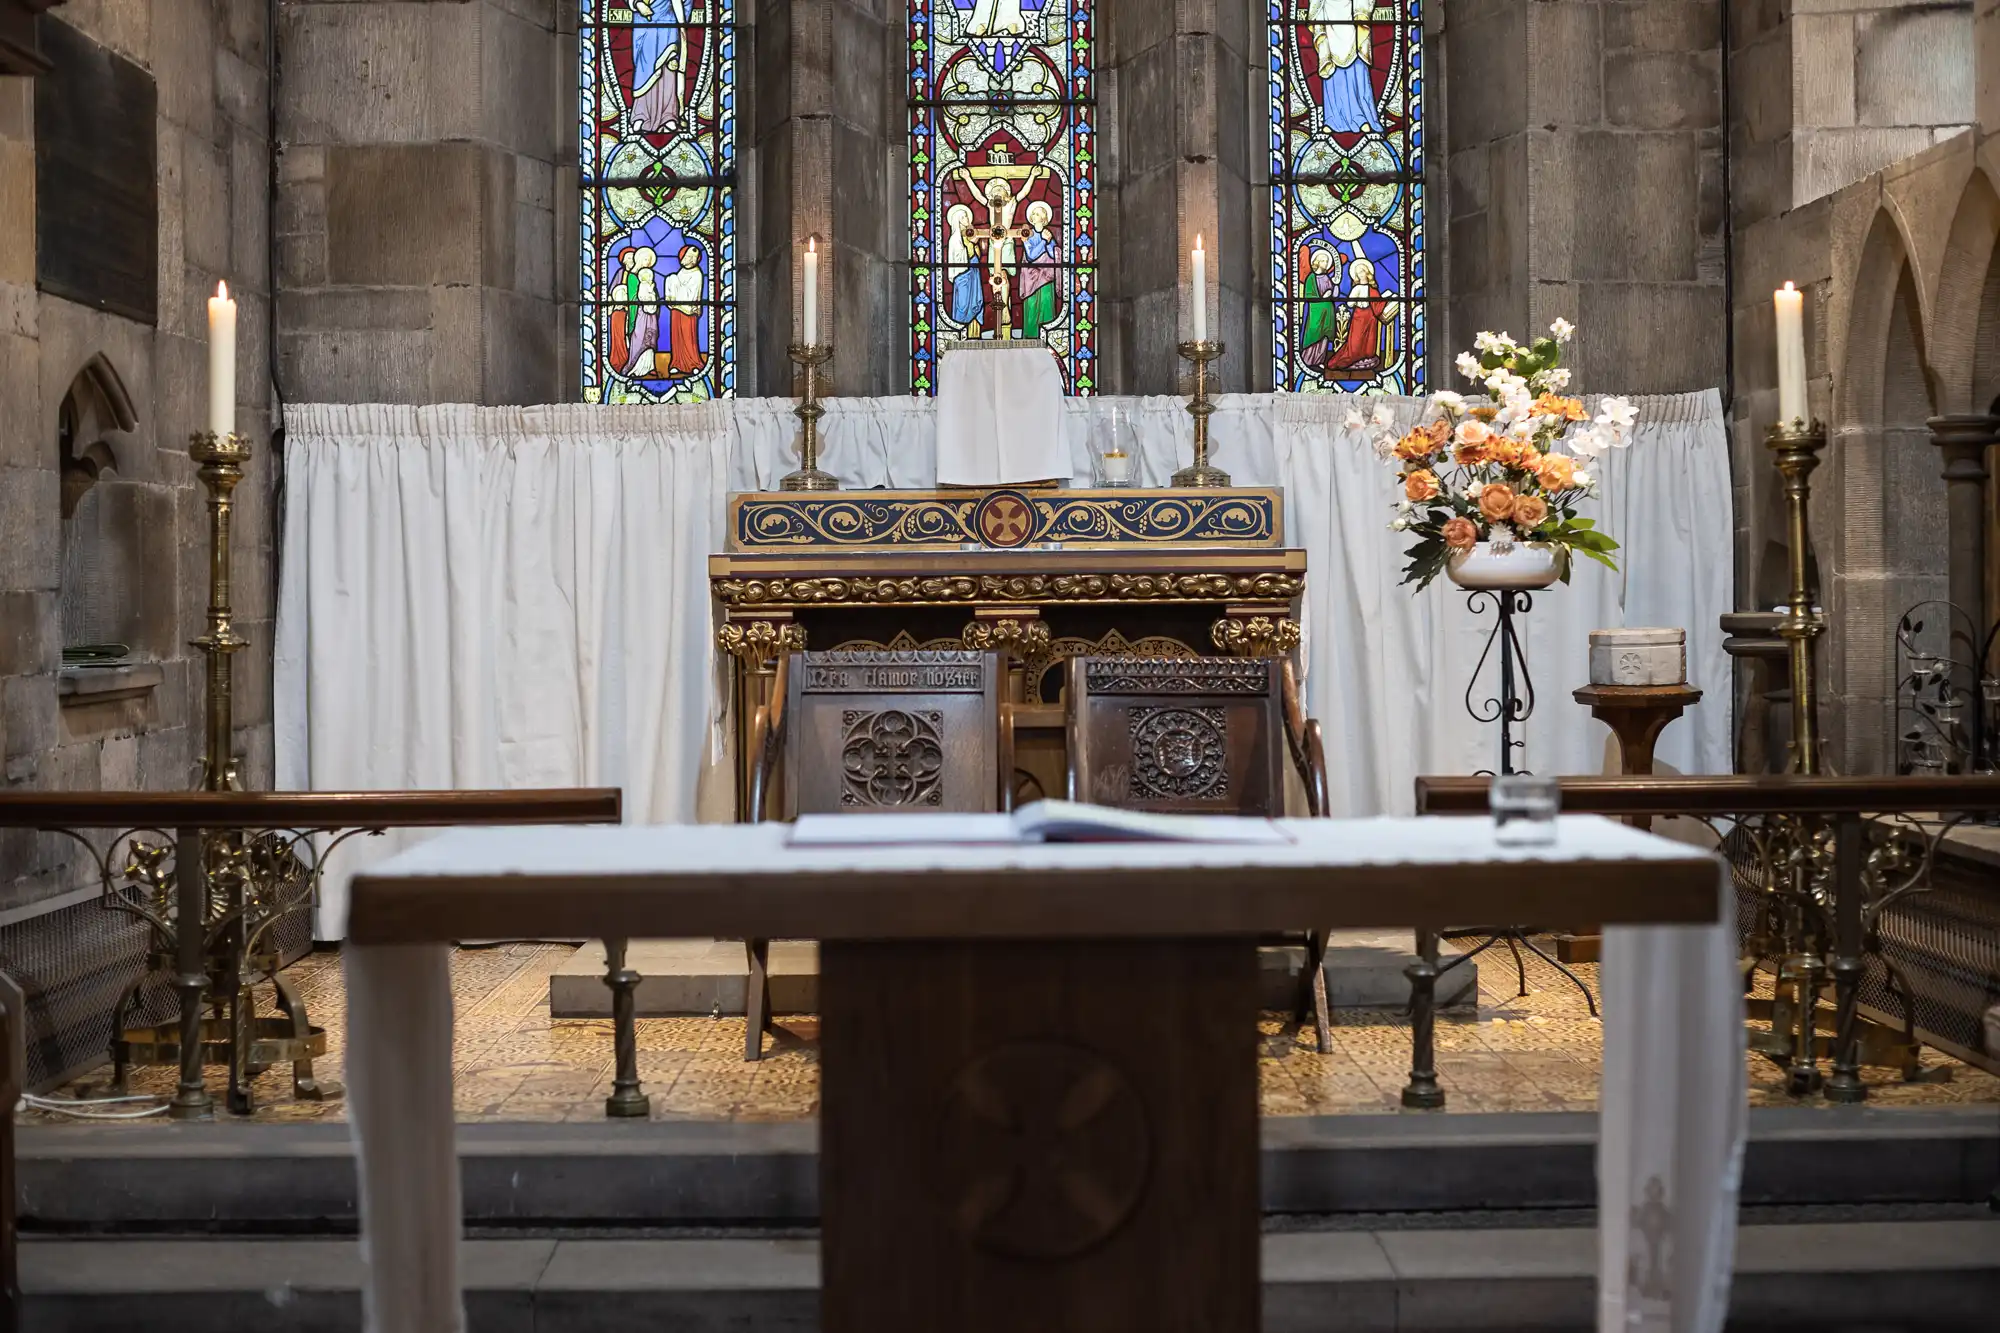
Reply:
x=1043, y=575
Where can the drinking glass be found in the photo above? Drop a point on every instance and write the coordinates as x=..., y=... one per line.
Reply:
x=1524, y=809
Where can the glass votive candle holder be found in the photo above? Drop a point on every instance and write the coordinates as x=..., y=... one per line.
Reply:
x=1524, y=809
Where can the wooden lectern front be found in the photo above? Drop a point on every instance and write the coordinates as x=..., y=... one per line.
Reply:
x=1039, y=1062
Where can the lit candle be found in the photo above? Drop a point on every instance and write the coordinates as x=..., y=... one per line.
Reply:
x=812, y=293
x=1791, y=306
x=1200, y=291
x=221, y=362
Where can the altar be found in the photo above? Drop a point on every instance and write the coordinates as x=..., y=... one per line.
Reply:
x=1039, y=575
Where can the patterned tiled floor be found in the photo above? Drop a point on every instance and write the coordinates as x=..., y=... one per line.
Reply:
x=513, y=1062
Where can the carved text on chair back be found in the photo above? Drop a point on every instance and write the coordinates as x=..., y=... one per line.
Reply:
x=1196, y=735
x=892, y=731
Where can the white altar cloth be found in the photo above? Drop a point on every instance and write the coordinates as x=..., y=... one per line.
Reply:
x=1000, y=416
x=1672, y=1110
x=517, y=596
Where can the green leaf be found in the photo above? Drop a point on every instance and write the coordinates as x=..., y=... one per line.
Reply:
x=1599, y=557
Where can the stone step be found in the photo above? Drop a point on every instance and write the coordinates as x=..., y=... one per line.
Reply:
x=1930, y=1275
x=258, y=1177
x=1364, y=970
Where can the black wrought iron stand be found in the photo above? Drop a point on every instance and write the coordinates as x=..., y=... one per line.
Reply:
x=1510, y=707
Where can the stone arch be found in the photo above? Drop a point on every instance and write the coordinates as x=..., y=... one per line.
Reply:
x=117, y=545
x=1967, y=296
x=1879, y=512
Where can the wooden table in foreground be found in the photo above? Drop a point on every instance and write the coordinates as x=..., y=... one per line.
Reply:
x=1039, y=1063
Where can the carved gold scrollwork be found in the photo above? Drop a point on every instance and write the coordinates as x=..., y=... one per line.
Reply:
x=1255, y=636
x=755, y=643
x=1024, y=637
x=1266, y=587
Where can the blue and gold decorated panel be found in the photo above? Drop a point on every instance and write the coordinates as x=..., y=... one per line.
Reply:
x=1005, y=519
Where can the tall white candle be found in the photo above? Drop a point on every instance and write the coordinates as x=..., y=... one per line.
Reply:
x=1200, y=291
x=1791, y=304
x=812, y=293
x=221, y=362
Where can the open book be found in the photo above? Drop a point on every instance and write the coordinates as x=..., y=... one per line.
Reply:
x=1043, y=821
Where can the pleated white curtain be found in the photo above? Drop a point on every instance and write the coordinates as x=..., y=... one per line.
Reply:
x=517, y=597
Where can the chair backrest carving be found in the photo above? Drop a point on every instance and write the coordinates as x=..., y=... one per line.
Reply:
x=1185, y=734
x=894, y=730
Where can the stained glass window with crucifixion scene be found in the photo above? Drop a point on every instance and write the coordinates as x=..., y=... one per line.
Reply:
x=1003, y=180
x=1347, y=214
x=658, y=166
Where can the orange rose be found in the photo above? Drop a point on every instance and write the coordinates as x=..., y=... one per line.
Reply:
x=1415, y=446
x=1460, y=534
x=1551, y=405
x=1420, y=485
x=1496, y=502
x=1529, y=511
x=1557, y=472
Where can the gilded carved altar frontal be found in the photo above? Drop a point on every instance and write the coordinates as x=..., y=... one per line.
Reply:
x=1004, y=519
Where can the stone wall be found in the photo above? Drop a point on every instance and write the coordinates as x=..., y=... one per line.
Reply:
x=207, y=58
x=1903, y=321
x=427, y=205
x=1586, y=181
x=1831, y=91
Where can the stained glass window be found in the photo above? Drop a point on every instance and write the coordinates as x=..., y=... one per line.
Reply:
x=1003, y=180
x=1347, y=215
x=658, y=168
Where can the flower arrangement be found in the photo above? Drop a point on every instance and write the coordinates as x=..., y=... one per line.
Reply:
x=1486, y=468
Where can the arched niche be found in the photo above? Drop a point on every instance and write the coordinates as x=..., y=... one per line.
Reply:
x=1962, y=346
x=117, y=549
x=1878, y=505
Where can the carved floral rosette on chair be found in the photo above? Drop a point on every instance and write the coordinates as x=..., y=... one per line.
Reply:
x=1199, y=735
x=877, y=731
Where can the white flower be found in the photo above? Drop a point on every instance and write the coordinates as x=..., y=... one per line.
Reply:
x=1399, y=525
x=1555, y=379
x=1405, y=506
x=1562, y=329
x=1495, y=342
x=1447, y=401
x=1618, y=413
x=1591, y=441
x=1468, y=366
x=1355, y=421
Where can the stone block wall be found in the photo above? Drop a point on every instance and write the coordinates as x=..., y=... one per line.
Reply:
x=1831, y=91
x=1894, y=267
x=207, y=58
x=1585, y=181
x=427, y=202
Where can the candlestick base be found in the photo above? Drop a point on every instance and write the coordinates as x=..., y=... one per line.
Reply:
x=810, y=476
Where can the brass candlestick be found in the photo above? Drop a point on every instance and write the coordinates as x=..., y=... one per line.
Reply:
x=809, y=477
x=220, y=461
x=1201, y=474
x=1797, y=446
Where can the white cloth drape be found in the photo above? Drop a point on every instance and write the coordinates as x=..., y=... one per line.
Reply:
x=1000, y=416
x=517, y=597
x=496, y=597
x=1672, y=1113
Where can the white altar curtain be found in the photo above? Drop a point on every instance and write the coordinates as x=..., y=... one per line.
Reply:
x=517, y=597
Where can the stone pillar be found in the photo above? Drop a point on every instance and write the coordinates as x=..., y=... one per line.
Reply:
x=1963, y=441
x=421, y=256
x=1178, y=86
x=832, y=143
x=1549, y=101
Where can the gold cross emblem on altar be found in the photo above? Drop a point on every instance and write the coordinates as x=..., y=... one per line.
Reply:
x=1001, y=184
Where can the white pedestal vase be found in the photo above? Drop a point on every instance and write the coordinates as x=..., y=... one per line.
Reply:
x=1521, y=566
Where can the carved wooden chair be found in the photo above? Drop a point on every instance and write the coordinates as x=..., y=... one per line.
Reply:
x=1199, y=735
x=872, y=732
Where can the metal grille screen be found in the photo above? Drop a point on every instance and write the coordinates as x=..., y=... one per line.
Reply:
x=74, y=963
